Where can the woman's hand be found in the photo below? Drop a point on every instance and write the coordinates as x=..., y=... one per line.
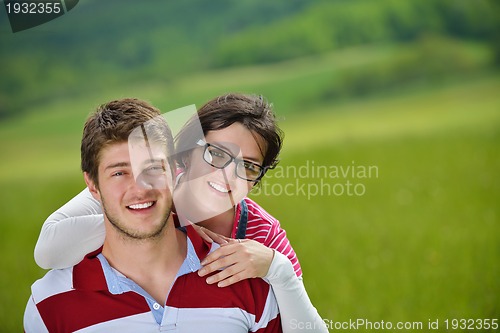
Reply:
x=238, y=259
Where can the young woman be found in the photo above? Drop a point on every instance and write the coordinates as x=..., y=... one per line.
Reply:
x=238, y=142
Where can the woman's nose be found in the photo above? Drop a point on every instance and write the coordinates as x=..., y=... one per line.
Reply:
x=230, y=170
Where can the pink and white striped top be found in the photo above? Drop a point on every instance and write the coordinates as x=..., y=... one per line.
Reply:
x=264, y=228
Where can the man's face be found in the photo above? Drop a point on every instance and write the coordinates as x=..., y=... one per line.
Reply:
x=134, y=188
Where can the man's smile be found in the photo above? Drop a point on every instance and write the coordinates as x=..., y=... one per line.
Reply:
x=140, y=206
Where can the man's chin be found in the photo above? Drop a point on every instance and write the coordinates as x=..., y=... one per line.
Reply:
x=144, y=233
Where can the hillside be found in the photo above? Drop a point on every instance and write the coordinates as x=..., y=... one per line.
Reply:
x=100, y=44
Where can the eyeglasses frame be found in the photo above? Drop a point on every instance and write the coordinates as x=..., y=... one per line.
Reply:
x=205, y=146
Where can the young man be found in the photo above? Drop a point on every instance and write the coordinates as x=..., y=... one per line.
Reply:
x=144, y=279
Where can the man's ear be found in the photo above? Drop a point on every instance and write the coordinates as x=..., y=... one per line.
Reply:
x=92, y=186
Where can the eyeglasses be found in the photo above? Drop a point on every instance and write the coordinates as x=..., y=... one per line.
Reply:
x=219, y=158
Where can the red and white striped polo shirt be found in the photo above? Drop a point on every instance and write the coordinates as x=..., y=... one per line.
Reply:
x=81, y=299
x=265, y=229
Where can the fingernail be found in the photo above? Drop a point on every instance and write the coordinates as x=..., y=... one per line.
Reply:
x=203, y=262
x=201, y=272
x=210, y=280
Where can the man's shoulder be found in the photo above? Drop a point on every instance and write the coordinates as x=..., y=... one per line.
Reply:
x=75, y=298
x=86, y=275
x=249, y=295
x=245, y=289
x=54, y=282
x=250, y=301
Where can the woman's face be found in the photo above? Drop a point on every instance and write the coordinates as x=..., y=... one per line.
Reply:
x=207, y=191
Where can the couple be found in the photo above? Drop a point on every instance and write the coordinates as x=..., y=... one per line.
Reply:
x=149, y=275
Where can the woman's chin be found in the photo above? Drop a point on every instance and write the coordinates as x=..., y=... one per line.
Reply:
x=198, y=201
x=207, y=211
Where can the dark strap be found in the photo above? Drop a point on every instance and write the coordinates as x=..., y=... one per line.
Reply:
x=242, y=223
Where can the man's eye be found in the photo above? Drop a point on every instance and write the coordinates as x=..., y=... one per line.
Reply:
x=118, y=173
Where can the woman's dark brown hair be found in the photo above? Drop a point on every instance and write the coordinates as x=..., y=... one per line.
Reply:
x=253, y=112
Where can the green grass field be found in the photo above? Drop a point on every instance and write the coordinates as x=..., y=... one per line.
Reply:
x=421, y=243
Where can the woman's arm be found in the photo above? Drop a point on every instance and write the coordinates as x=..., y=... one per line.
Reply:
x=71, y=232
x=296, y=309
x=249, y=259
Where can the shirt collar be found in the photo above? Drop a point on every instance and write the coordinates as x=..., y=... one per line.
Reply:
x=95, y=273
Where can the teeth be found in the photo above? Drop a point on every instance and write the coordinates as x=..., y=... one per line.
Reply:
x=141, y=206
x=218, y=187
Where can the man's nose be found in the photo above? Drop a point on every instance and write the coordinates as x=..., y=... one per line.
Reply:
x=148, y=181
x=143, y=182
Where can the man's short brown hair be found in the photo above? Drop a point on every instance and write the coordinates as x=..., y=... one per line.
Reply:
x=113, y=122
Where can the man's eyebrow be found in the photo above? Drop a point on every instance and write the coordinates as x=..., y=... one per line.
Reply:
x=127, y=164
x=117, y=165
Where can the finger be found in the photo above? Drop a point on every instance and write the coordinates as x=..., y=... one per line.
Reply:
x=225, y=274
x=234, y=241
x=219, y=239
x=220, y=252
x=204, y=235
x=201, y=232
x=228, y=239
x=233, y=279
x=219, y=264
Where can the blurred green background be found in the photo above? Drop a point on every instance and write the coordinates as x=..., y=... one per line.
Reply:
x=410, y=88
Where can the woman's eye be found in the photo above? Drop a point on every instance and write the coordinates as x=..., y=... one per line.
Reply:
x=251, y=167
x=216, y=153
x=155, y=169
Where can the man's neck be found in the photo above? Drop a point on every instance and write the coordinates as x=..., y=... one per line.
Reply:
x=152, y=264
